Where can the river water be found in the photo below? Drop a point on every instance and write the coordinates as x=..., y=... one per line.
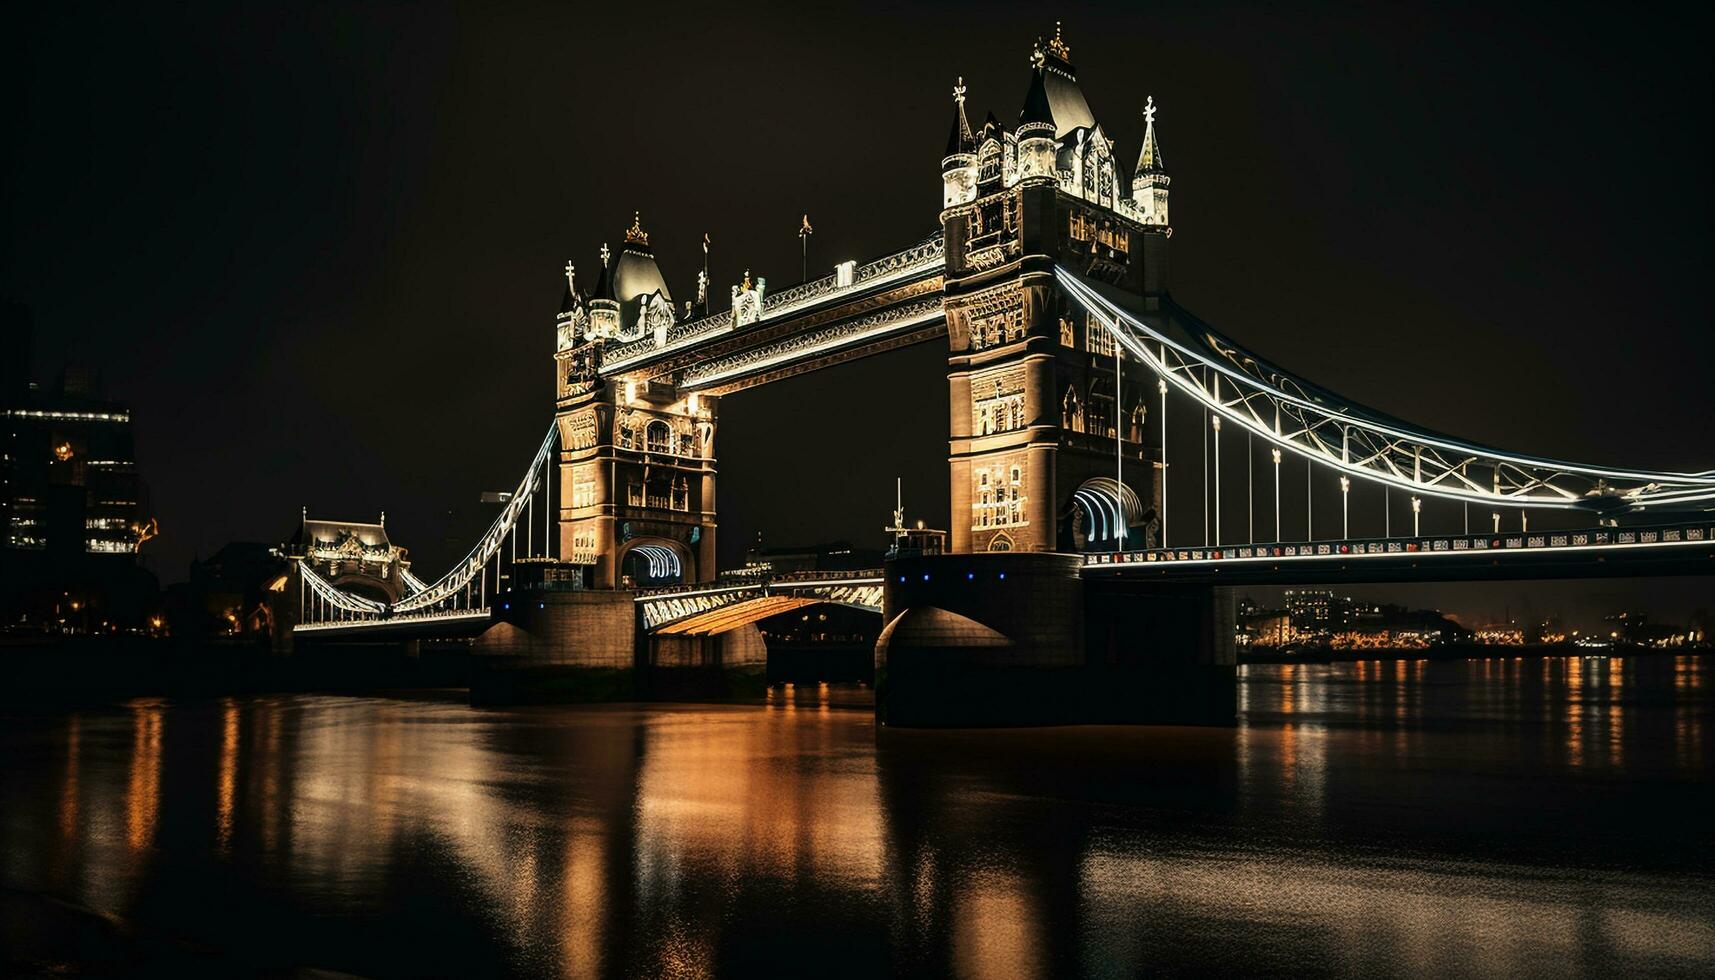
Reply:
x=1546, y=817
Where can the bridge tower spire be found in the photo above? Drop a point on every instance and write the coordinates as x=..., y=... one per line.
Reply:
x=959, y=165
x=1149, y=178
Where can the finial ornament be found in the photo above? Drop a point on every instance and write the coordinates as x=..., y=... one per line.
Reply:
x=635, y=235
x=1149, y=110
x=1058, y=46
x=1036, y=56
x=959, y=91
x=804, y=228
x=605, y=252
x=746, y=286
x=571, y=277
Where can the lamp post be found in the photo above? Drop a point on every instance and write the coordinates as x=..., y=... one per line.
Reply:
x=1217, y=423
x=1276, y=454
x=1497, y=516
x=1161, y=388
x=1345, y=499
x=1416, y=508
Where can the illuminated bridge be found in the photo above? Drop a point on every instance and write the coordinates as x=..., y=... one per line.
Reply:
x=1091, y=542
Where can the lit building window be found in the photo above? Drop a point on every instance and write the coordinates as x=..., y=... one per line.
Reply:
x=583, y=490
x=658, y=437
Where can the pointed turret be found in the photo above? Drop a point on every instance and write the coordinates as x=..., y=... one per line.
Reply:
x=1036, y=129
x=569, y=300
x=604, y=309
x=1149, y=182
x=1149, y=158
x=1037, y=114
x=960, y=140
x=570, y=322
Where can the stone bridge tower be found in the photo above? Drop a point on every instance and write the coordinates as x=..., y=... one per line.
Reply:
x=1037, y=430
x=636, y=466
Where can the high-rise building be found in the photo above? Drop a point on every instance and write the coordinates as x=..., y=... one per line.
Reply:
x=72, y=510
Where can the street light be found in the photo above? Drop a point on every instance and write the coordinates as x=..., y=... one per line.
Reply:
x=1217, y=423
x=1416, y=508
x=1345, y=524
x=1276, y=454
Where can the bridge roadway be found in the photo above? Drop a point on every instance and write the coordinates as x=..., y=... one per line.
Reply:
x=1670, y=549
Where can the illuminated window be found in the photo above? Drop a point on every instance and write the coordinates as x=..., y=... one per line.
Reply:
x=658, y=437
x=583, y=490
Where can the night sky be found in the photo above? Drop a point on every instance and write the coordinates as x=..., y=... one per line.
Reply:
x=319, y=249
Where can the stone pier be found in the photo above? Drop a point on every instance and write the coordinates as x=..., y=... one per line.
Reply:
x=1022, y=639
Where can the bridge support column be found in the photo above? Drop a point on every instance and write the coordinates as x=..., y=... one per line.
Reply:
x=1022, y=639
x=730, y=666
x=550, y=646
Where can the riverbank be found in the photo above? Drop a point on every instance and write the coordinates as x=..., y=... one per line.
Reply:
x=1464, y=651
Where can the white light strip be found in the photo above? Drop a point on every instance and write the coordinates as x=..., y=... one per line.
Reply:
x=692, y=384
x=348, y=624
x=816, y=584
x=1088, y=297
x=657, y=596
x=1464, y=553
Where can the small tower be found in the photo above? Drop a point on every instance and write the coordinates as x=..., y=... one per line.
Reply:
x=959, y=166
x=1035, y=130
x=1149, y=182
x=604, y=308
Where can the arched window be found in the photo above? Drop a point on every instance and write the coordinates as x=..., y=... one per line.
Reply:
x=658, y=437
x=1000, y=542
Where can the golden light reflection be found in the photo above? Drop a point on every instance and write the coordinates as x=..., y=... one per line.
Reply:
x=1616, y=712
x=1574, y=712
x=996, y=930
x=70, y=791
x=143, y=788
x=582, y=926
x=226, y=788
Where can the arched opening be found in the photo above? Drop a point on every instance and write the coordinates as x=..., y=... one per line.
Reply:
x=649, y=564
x=1102, y=515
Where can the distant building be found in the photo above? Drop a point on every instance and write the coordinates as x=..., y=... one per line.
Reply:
x=227, y=594
x=832, y=556
x=73, y=513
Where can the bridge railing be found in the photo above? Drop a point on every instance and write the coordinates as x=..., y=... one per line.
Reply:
x=1691, y=535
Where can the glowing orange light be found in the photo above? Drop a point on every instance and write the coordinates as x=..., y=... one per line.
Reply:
x=62, y=452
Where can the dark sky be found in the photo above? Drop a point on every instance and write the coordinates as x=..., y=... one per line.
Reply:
x=318, y=248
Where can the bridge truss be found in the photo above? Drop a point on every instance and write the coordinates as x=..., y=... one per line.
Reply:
x=1294, y=415
x=464, y=593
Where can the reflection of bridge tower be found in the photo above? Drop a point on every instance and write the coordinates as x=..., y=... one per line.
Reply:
x=1037, y=427
x=637, y=472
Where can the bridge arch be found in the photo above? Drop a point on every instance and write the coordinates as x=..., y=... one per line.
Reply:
x=652, y=561
x=1101, y=514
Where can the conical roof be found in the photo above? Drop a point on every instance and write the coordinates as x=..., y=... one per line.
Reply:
x=1036, y=112
x=960, y=140
x=1149, y=159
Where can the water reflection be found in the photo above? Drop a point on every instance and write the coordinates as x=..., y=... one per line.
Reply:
x=1382, y=817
